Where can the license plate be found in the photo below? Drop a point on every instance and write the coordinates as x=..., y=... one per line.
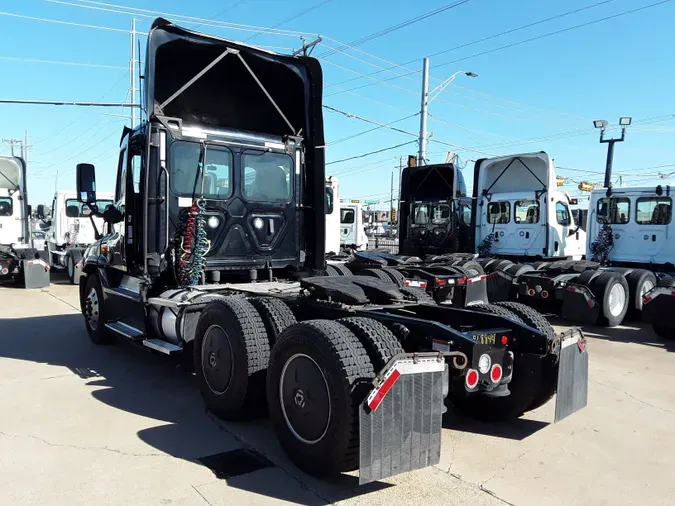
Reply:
x=489, y=339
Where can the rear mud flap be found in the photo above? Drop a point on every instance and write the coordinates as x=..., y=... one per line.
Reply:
x=572, y=391
x=579, y=305
x=474, y=291
x=403, y=432
x=499, y=287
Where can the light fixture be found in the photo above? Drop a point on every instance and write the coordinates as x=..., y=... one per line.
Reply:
x=213, y=222
x=600, y=123
x=625, y=120
x=484, y=363
x=258, y=223
x=471, y=74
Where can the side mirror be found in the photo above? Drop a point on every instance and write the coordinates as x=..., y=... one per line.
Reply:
x=30, y=211
x=41, y=211
x=86, y=183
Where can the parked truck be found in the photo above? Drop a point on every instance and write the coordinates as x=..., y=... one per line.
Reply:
x=353, y=226
x=18, y=258
x=222, y=258
x=333, y=215
x=72, y=227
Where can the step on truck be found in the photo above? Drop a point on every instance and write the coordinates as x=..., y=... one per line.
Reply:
x=72, y=227
x=222, y=260
x=19, y=261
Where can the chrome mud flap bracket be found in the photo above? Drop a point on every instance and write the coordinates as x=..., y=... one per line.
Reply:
x=572, y=389
x=401, y=420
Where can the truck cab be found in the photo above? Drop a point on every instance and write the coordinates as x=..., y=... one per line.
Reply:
x=434, y=211
x=353, y=226
x=518, y=209
x=640, y=222
x=14, y=215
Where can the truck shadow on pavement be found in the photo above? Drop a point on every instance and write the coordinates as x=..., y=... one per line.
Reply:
x=630, y=331
x=138, y=382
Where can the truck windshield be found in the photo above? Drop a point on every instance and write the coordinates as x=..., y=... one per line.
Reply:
x=5, y=206
x=185, y=179
x=437, y=214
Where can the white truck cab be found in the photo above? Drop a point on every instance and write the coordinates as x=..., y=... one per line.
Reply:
x=352, y=227
x=517, y=201
x=641, y=224
x=71, y=229
x=332, y=215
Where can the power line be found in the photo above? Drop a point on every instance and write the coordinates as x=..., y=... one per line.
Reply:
x=557, y=32
x=364, y=132
x=394, y=28
x=294, y=17
x=74, y=64
x=69, y=23
x=220, y=13
x=370, y=153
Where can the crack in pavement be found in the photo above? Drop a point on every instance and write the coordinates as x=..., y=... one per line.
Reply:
x=201, y=495
x=60, y=299
x=86, y=448
x=480, y=487
x=627, y=394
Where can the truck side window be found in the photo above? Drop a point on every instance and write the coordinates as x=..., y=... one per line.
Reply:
x=499, y=212
x=562, y=214
x=329, y=200
x=5, y=206
x=346, y=216
x=136, y=161
x=613, y=211
x=654, y=210
x=121, y=189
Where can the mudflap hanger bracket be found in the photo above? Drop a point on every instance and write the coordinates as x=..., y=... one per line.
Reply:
x=401, y=420
x=201, y=73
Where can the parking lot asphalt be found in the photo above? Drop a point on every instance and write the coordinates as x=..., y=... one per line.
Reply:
x=85, y=424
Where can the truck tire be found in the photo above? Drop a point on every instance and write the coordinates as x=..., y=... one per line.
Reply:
x=72, y=257
x=342, y=269
x=664, y=332
x=611, y=292
x=417, y=295
x=549, y=374
x=331, y=271
x=275, y=314
x=472, y=267
x=93, y=310
x=640, y=281
x=498, y=310
x=538, y=265
x=518, y=269
x=319, y=431
x=586, y=277
x=380, y=344
x=231, y=353
x=44, y=256
x=376, y=273
x=486, y=263
x=28, y=254
x=395, y=275
x=499, y=265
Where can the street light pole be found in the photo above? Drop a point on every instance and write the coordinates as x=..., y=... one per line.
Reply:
x=427, y=98
x=602, y=124
x=424, y=113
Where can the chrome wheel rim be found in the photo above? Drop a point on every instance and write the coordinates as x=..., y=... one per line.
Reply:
x=617, y=299
x=305, y=398
x=92, y=310
x=70, y=266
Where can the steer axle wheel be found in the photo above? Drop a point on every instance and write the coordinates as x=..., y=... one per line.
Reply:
x=318, y=376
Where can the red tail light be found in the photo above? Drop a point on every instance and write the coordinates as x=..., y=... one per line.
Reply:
x=544, y=294
x=505, y=339
x=471, y=379
x=496, y=373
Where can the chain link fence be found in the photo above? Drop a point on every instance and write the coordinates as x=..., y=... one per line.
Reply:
x=388, y=244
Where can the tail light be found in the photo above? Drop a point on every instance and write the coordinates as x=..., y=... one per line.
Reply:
x=544, y=294
x=496, y=373
x=471, y=379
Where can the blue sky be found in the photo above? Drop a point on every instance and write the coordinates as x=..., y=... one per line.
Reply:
x=540, y=95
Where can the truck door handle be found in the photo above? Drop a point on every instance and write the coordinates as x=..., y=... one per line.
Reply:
x=527, y=235
x=654, y=238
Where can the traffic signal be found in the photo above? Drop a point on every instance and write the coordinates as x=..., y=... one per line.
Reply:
x=393, y=214
x=586, y=187
x=559, y=181
x=412, y=161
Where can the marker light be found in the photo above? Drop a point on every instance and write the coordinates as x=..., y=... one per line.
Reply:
x=213, y=222
x=471, y=379
x=496, y=373
x=258, y=223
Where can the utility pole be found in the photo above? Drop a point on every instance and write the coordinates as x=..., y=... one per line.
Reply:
x=624, y=121
x=14, y=142
x=391, y=199
x=132, y=72
x=424, y=113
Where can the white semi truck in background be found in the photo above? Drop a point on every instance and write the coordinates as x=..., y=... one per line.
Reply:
x=71, y=230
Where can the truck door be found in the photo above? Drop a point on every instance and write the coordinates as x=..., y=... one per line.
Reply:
x=615, y=212
x=348, y=225
x=568, y=241
x=497, y=216
x=653, y=215
x=527, y=230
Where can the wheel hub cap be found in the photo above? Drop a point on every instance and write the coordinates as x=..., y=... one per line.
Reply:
x=305, y=398
x=217, y=359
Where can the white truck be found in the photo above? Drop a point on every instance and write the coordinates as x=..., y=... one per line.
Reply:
x=71, y=230
x=352, y=226
x=18, y=259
